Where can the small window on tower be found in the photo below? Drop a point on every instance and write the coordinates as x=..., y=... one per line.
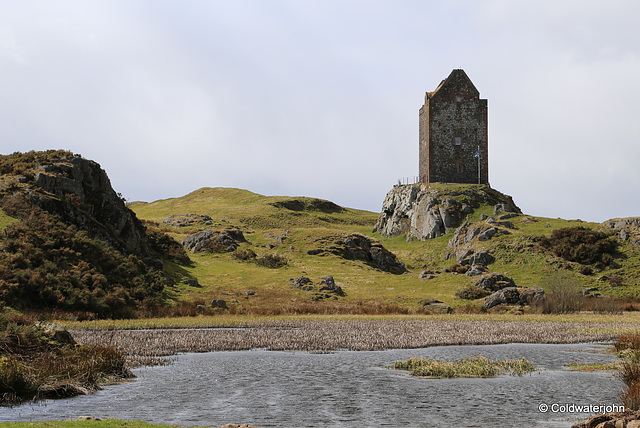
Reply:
x=460, y=168
x=458, y=141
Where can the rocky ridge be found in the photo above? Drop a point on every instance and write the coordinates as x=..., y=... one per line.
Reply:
x=425, y=212
x=80, y=192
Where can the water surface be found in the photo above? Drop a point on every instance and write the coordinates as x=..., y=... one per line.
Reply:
x=344, y=389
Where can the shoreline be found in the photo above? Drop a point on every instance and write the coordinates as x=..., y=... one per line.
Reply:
x=143, y=347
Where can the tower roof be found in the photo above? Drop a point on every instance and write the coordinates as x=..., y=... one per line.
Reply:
x=457, y=78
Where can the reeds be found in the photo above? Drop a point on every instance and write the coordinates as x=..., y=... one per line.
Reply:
x=477, y=366
x=628, y=347
x=329, y=335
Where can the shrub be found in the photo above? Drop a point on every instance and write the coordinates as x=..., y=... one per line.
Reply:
x=458, y=268
x=168, y=247
x=586, y=270
x=628, y=347
x=581, y=245
x=244, y=255
x=46, y=265
x=273, y=261
x=563, y=295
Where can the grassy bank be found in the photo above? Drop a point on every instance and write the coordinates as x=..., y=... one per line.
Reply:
x=609, y=323
x=42, y=361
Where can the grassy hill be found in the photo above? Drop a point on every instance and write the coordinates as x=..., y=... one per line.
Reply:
x=290, y=227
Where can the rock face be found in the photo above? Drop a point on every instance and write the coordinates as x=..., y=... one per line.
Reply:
x=628, y=229
x=80, y=192
x=423, y=212
x=226, y=240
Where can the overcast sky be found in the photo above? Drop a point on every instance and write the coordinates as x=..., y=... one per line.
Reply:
x=321, y=98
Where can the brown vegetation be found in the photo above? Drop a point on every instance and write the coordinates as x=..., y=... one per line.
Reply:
x=581, y=245
x=36, y=363
x=357, y=335
x=46, y=265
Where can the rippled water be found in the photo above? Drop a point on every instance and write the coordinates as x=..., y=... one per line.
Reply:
x=343, y=389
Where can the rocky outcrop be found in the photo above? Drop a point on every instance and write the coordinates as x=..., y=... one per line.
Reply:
x=363, y=248
x=219, y=240
x=495, y=282
x=465, y=237
x=507, y=295
x=423, y=212
x=513, y=295
x=187, y=220
x=628, y=229
x=326, y=288
x=80, y=192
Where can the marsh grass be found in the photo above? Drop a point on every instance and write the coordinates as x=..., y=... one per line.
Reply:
x=477, y=366
x=35, y=365
x=628, y=347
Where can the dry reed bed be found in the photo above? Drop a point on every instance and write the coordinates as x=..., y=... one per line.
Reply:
x=143, y=346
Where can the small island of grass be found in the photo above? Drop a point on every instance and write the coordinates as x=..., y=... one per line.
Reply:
x=477, y=366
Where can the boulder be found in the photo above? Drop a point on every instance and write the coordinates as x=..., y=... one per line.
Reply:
x=508, y=295
x=482, y=257
x=426, y=274
x=301, y=281
x=425, y=302
x=184, y=220
x=227, y=239
x=495, y=282
x=57, y=333
x=436, y=308
x=487, y=234
x=328, y=284
x=363, y=248
x=476, y=270
x=532, y=295
x=192, y=282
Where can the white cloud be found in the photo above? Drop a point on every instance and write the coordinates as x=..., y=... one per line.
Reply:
x=320, y=98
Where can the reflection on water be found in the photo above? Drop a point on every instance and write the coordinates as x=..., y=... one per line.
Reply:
x=343, y=389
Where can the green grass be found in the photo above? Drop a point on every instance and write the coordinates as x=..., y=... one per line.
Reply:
x=262, y=220
x=601, y=367
x=477, y=366
x=5, y=221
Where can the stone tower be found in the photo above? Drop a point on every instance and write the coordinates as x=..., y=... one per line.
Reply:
x=453, y=133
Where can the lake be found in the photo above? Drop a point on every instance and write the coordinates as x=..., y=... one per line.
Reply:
x=345, y=389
